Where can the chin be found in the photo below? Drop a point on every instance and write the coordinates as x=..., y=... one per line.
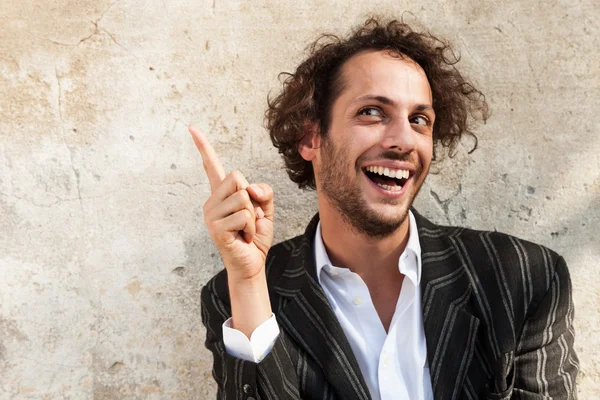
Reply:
x=375, y=224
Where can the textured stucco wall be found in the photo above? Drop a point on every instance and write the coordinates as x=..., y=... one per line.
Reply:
x=102, y=246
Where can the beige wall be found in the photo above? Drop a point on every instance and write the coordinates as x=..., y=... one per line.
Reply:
x=102, y=249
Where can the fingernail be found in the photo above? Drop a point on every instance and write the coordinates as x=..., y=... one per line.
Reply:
x=260, y=213
x=257, y=190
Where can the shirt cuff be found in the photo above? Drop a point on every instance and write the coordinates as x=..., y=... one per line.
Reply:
x=258, y=347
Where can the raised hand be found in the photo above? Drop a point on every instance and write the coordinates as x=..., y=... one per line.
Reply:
x=239, y=216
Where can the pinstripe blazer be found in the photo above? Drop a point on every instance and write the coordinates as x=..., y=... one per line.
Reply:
x=497, y=314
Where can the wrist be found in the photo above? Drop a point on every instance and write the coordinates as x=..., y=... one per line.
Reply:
x=235, y=277
x=250, y=305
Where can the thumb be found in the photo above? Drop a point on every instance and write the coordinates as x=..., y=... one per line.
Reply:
x=263, y=195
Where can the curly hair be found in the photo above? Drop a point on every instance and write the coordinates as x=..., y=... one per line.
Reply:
x=309, y=93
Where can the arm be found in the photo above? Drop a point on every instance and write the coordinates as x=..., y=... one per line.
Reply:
x=273, y=378
x=239, y=218
x=545, y=361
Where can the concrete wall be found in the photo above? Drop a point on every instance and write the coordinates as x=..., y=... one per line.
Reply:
x=103, y=250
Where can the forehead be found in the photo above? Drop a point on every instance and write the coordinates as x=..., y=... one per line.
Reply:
x=383, y=74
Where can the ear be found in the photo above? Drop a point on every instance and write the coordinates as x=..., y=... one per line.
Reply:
x=309, y=144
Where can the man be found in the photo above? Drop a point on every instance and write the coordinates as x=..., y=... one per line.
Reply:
x=374, y=301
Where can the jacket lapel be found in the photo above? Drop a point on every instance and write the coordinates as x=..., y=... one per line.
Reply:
x=308, y=318
x=450, y=329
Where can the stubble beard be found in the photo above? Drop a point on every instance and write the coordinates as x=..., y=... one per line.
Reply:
x=345, y=196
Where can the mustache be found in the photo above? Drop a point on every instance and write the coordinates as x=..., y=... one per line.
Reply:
x=395, y=156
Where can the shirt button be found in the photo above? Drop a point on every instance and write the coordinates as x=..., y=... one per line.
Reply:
x=333, y=272
x=248, y=390
x=357, y=301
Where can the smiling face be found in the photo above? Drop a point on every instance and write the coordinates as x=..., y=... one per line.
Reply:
x=373, y=160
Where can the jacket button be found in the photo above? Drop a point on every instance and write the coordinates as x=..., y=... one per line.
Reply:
x=248, y=390
x=250, y=398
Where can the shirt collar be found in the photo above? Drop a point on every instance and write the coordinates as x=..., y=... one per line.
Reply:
x=409, y=263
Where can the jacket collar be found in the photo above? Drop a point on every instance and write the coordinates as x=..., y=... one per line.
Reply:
x=450, y=329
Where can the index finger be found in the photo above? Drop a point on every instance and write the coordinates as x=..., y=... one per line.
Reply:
x=212, y=165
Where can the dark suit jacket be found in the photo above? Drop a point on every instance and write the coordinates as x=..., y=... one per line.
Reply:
x=497, y=313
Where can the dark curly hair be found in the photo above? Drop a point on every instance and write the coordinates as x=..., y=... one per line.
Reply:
x=309, y=93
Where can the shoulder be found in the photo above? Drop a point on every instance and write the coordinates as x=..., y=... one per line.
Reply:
x=504, y=251
x=481, y=250
x=506, y=264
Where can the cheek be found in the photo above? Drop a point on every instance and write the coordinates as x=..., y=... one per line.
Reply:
x=362, y=139
x=426, y=151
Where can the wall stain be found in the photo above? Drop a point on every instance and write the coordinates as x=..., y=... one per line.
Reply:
x=26, y=100
x=134, y=287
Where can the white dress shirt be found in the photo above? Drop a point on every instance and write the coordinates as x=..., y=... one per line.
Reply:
x=394, y=364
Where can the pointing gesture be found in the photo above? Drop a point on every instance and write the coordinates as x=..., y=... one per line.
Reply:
x=212, y=165
x=239, y=216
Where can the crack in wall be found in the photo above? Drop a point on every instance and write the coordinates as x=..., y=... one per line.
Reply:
x=54, y=364
x=192, y=185
x=106, y=10
x=176, y=119
x=59, y=200
x=444, y=204
x=110, y=35
x=82, y=244
x=97, y=30
x=534, y=75
x=471, y=54
x=64, y=138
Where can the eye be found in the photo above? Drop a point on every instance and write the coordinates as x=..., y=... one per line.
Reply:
x=370, y=112
x=419, y=120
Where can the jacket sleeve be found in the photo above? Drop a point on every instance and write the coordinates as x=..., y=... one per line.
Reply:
x=546, y=365
x=273, y=378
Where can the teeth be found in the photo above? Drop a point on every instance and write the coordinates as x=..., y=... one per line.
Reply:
x=390, y=188
x=392, y=173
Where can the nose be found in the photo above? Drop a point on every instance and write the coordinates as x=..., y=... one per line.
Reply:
x=399, y=135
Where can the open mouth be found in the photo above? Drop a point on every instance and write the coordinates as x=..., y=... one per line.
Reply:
x=386, y=178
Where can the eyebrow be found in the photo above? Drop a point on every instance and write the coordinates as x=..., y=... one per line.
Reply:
x=425, y=107
x=387, y=101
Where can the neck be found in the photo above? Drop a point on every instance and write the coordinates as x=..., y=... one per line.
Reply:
x=368, y=257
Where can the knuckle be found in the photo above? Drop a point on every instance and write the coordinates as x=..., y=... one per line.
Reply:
x=212, y=228
x=222, y=236
x=268, y=189
x=239, y=178
x=247, y=214
x=243, y=194
x=230, y=177
x=206, y=213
